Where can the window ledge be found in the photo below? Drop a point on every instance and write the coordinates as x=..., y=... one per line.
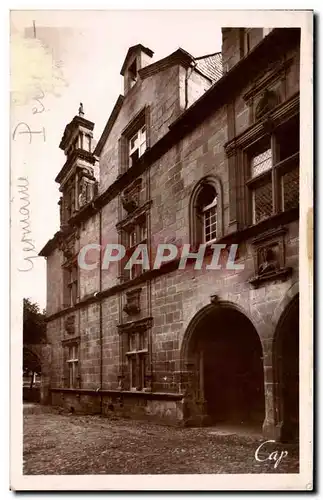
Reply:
x=139, y=351
x=254, y=230
x=72, y=340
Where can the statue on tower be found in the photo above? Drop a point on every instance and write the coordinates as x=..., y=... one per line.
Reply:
x=81, y=111
x=83, y=193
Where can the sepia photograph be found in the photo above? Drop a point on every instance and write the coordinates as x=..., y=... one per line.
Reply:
x=161, y=249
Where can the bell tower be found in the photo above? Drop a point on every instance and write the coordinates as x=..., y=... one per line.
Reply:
x=77, y=180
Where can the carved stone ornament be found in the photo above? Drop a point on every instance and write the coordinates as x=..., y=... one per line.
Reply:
x=68, y=247
x=270, y=257
x=269, y=262
x=214, y=299
x=130, y=196
x=132, y=306
x=266, y=103
x=129, y=202
x=69, y=324
x=83, y=193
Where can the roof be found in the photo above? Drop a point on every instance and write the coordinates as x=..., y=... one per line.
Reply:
x=133, y=49
x=210, y=65
x=180, y=56
x=242, y=72
x=236, y=78
x=109, y=125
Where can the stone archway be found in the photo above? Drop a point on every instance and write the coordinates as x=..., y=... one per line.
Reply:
x=223, y=369
x=286, y=371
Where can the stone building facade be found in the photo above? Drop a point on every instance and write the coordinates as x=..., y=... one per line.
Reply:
x=197, y=151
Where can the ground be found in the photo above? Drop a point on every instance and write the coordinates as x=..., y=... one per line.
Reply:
x=62, y=443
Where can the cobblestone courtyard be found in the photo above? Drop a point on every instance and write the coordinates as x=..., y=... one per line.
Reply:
x=61, y=443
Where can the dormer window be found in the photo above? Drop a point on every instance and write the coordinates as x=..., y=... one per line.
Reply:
x=133, y=75
x=134, y=140
x=137, y=145
x=137, y=58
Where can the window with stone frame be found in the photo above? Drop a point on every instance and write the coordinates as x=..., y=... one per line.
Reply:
x=86, y=142
x=137, y=358
x=132, y=236
x=72, y=362
x=70, y=284
x=137, y=145
x=274, y=172
x=208, y=214
x=134, y=140
x=205, y=211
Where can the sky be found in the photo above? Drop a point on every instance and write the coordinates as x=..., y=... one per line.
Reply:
x=59, y=59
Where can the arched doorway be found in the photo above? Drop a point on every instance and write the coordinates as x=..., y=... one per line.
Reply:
x=286, y=362
x=225, y=382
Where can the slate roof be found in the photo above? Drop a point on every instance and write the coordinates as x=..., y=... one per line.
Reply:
x=210, y=65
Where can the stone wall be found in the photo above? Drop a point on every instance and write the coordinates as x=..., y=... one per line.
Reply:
x=54, y=282
x=161, y=93
x=164, y=411
x=173, y=299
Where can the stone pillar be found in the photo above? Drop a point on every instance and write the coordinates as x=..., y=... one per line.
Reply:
x=272, y=424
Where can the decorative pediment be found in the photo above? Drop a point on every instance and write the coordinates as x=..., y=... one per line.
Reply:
x=279, y=115
x=130, y=196
x=135, y=326
x=135, y=216
x=271, y=78
x=266, y=103
x=71, y=341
